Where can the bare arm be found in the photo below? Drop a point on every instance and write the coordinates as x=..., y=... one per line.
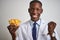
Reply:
x=12, y=29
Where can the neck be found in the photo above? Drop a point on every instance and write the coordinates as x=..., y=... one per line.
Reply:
x=34, y=20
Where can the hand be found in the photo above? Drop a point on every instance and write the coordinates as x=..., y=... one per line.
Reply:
x=12, y=29
x=51, y=27
x=53, y=38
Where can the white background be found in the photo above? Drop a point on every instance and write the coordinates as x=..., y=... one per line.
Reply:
x=19, y=9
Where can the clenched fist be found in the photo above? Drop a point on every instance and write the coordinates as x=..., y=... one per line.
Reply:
x=13, y=26
x=51, y=27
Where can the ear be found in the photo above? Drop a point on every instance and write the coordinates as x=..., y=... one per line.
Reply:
x=41, y=10
x=29, y=10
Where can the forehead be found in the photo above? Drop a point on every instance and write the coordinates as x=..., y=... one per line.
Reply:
x=35, y=4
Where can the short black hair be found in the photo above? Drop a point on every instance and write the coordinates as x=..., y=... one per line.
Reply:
x=36, y=1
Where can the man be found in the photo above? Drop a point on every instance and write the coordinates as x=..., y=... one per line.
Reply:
x=34, y=29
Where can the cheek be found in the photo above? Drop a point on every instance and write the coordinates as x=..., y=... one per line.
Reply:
x=39, y=14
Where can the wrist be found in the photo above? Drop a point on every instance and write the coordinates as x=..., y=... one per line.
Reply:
x=53, y=35
x=13, y=37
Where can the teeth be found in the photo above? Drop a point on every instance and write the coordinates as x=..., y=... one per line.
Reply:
x=34, y=15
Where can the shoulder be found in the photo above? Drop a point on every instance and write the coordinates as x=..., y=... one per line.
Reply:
x=44, y=22
x=44, y=27
x=24, y=25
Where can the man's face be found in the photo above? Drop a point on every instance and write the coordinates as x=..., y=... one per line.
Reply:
x=35, y=11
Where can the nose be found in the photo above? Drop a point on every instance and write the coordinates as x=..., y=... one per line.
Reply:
x=34, y=11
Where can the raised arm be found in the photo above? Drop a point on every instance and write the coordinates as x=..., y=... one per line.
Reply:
x=12, y=29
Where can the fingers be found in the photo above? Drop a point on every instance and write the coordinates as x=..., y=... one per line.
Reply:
x=12, y=28
x=51, y=26
x=51, y=23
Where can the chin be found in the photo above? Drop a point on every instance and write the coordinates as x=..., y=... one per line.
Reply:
x=35, y=19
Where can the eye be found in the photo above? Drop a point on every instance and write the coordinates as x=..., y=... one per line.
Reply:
x=32, y=9
x=38, y=9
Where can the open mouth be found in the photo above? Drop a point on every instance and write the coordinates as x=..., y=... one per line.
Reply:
x=34, y=16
